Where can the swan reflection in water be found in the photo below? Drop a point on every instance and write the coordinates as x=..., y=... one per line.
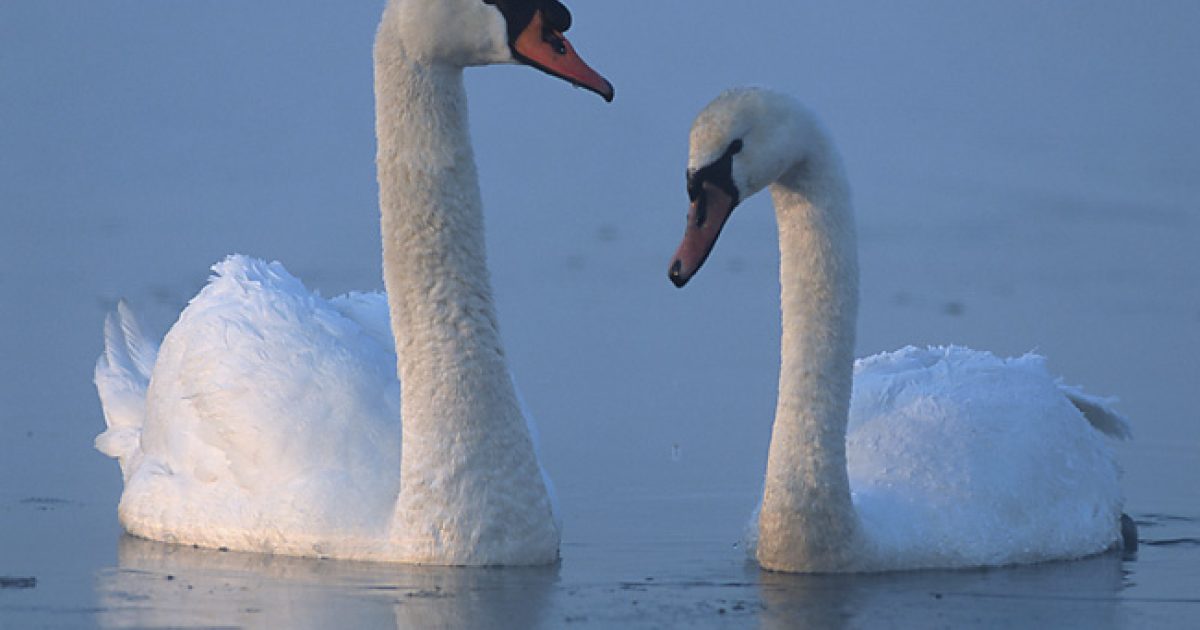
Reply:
x=1079, y=593
x=160, y=585
x=163, y=585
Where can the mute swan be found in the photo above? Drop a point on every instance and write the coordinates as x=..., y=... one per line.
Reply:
x=269, y=420
x=939, y=457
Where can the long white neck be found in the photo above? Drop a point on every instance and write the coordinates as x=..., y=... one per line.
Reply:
x=471, y=491
x=807, y=521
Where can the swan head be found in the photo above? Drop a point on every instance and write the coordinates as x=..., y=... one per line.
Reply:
x=484, y=32
x=741, y=142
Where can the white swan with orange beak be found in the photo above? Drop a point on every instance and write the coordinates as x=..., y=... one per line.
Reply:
x=269, y=420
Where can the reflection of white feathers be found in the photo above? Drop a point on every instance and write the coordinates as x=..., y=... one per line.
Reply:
x=206, y=588
x=952, y=457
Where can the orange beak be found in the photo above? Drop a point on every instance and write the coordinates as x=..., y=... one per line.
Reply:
x=547, y=50
x=706, y=217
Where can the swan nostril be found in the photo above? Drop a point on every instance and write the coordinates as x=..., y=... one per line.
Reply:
x=554, y=41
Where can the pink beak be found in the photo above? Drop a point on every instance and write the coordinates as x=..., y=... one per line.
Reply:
x=547, y=50
x=706, y=217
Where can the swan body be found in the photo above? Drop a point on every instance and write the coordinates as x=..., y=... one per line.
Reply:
x=269, y=420
x=267, y=411
x=921, y=458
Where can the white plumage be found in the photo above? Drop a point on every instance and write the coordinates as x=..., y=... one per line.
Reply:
x=959, y=458
x=919, y=458
x=272, y=415
x=270, y=418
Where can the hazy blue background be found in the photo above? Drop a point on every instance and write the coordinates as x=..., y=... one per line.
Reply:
x=1027, y=177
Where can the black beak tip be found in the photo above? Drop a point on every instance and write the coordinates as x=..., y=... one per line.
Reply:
x=676, y=277
x=610, y=94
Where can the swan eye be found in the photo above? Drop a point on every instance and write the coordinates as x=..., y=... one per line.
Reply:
x=719, y=173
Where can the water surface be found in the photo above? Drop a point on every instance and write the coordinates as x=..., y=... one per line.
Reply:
x=1024, y=178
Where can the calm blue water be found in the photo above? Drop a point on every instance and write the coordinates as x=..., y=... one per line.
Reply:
x=1024, y=177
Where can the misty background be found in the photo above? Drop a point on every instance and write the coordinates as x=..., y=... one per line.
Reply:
x=1025, y=178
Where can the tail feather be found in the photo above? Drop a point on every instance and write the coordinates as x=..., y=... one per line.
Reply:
x=125, y=344
x=1098, y=411
x=122, y=377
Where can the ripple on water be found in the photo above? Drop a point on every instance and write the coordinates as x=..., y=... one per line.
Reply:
x=1172, y=542
x=1157, y=520
x=44, y=504
x=1177, y=524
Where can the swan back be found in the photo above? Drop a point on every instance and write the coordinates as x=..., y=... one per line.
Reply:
x=957, y=457
x=269, y=407
x=245, y=351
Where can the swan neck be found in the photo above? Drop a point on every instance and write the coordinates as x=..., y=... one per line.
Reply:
x=807, y=522
x=467, y=458
x=435, y=268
